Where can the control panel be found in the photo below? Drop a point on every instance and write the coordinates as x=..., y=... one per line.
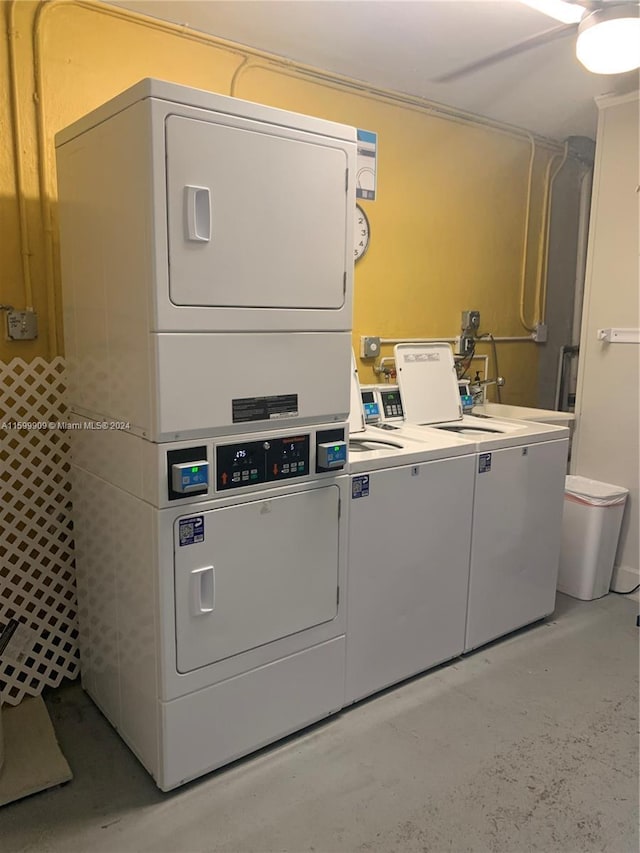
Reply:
x=331, y=450
x=331, y=455
x=370, y=407
x=391, y=403
x=187, y=472
x=248, y=463
x=466, y=398
x=188, y=478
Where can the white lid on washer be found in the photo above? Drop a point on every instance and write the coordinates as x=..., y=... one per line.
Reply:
x=428, y=383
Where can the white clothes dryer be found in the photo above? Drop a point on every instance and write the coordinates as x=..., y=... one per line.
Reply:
x=213, y=620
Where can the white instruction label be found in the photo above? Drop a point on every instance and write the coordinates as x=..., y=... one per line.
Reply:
x=16, y=641
x=411, y=357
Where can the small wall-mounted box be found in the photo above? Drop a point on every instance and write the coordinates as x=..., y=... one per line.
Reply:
x=619, y=336
x=22, y=325
x=541, y=333
x=470, y=320
x=369, y=347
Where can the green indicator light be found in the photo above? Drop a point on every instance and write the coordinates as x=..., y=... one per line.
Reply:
x=195, y=470
x=337, y=448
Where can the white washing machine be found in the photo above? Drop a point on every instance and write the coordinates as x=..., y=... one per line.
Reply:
x=408, y=567
x=518, y=492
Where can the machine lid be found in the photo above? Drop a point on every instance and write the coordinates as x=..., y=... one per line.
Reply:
x=428, y=383
x=464, y=428
x=363, y=443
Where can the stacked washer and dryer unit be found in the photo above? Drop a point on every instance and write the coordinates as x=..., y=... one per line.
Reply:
x=207, y=273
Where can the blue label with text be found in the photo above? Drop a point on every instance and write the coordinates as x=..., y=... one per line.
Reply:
x=191, y=530
x=484, y=463
x=360, y=486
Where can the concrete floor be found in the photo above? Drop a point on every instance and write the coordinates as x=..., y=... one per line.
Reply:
x=529, y=744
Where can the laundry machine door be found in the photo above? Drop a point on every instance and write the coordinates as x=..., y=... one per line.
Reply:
x=242, y=231
x=409, y=576
x=252, y=573
x=515, y=547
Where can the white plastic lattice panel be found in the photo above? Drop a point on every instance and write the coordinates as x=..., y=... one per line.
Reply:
x=37, y=582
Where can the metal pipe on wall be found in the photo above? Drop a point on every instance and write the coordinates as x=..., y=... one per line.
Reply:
x=541, y=289
x=581, y=253
x=565, y=351
x=14, y=99
x=559, y=373
x=511, y=339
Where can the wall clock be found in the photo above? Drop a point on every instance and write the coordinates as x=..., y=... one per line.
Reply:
x=362, y=234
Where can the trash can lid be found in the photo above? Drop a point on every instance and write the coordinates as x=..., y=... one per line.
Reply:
x=583, y=487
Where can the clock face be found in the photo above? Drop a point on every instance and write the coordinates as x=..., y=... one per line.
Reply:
x=361, y=235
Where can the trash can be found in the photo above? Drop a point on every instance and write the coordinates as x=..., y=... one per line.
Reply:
x=590, y=530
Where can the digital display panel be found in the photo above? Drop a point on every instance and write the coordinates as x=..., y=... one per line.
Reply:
x=252, y=462
x=392, y=404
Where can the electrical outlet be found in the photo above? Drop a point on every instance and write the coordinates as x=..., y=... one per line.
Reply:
x=369, y=346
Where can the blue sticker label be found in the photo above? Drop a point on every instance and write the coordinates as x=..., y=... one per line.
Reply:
x=484, y=463
x=191, y=530
x=366, y=164
x=360, y=486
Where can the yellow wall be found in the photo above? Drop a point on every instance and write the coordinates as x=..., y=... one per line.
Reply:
x=447, y=225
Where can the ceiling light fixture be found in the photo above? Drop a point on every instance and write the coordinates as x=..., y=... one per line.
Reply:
x=609, y=39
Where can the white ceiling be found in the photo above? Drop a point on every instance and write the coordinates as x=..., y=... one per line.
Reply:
x=404, y=44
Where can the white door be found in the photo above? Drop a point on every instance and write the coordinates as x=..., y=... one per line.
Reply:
x=249, y=574
x=515, y=547
x=409, y=537
x=255, y=219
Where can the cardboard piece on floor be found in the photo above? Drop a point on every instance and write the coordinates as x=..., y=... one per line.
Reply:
x=32, y=758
